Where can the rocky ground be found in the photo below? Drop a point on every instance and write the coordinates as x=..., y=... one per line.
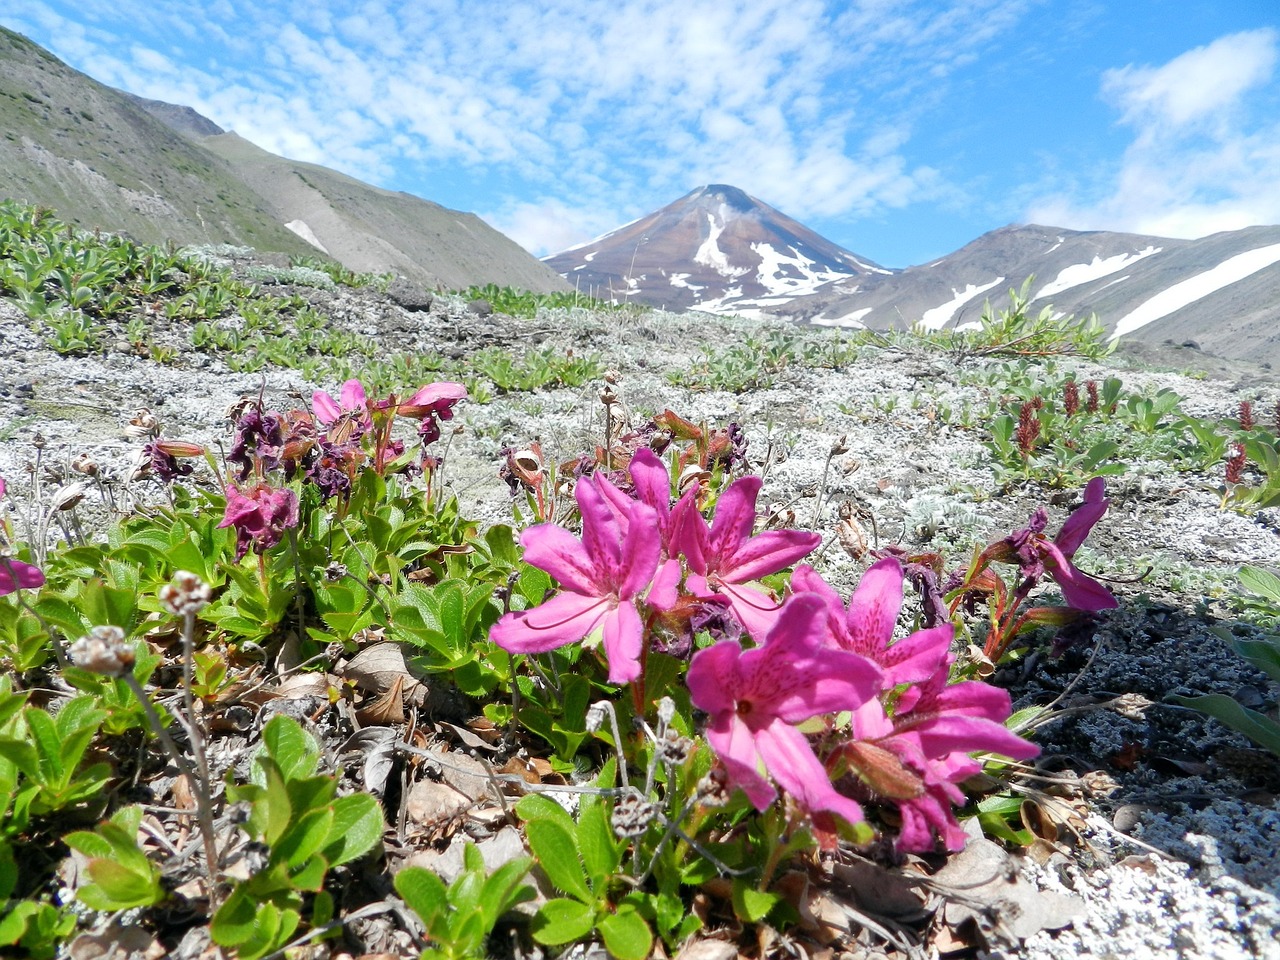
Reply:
x=1160, y=829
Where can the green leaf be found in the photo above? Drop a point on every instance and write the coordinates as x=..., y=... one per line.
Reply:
x=303, y=838
x=311, y=876
x=425, y=894
x=236, y=919
x=562, y=921
x=504, y=889
x=751, y=905
x=22, y=755
x=1258, y=727
x=557, y=853
x=118, y=887
x=1260, y=581
x=357, y=828
x=9, y=872
x=626, y=935
x=537, y=806
x=48, y=743
x=291, y=747
x=601, y=852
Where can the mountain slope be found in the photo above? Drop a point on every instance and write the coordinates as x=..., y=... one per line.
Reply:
x=161, y=172
x=99, y=160
x=1222, y=292
x=716, y=249
x=371, y=229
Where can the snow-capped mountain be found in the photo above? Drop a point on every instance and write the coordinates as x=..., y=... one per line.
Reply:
x=1222, y=292
x=719, y=250
x=715, y=249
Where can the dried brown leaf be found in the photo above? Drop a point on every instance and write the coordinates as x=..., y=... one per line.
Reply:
x=387, y=707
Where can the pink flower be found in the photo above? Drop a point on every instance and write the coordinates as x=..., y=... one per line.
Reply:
x=602, y=576
x=431, y=404
x=653, y=488
x=918, y=757
x=867, y=626
x=1036, y=554
x=260, y=514
x=724, y=558
x=917, y=754
x=353, y=401
x=756, y=697
x=435, y=399
x=16, y=575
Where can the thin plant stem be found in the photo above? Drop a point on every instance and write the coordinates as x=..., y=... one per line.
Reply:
x=198, y=776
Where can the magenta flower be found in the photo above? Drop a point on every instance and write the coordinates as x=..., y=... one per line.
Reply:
x=756, y=697
x=431, y=404
x=260, y=514
x=352, y=401
x=916, y=755
x=16, y=575
x=601, y=578
x=919, y=757
x=867, y=626
x=724, y=558
x=1037, y=555
x=652, y=486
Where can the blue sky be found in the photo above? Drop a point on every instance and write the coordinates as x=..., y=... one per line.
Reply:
x=900, y=129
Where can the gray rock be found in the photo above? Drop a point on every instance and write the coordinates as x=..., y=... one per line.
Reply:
x=409, y=295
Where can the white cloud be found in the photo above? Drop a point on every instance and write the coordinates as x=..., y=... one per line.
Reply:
x=1205, y=151
x=590, y=105
x=1200, y=83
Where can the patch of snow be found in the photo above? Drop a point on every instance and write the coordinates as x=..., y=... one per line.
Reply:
x=845, y=320
x=770, y=274
x=1080, y=273
x=940, y=316
x=710, y=255
x=1201, y=285
x=590, y=256
x=682, y=280
x=1055, y=246
x=301, y=229
x=725, y=303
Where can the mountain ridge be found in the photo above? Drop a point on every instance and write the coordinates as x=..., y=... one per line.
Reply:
x=1220, y=293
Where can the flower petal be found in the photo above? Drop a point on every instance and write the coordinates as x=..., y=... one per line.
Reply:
x=602, y=534
x=641, y=549
x=1079, y=590
x=735, y=516
x=792, y=763
x=713, y=679
x=874, y=606
x=16, y=575
x=565, y=618
x=1082, y=519
x=766, y=553
x=324, y=407
x=623, y=640
x=653, y=485
x=951, y=734
x=735, y=745
x=555, y=550
x=353, y=397
x=664, y=592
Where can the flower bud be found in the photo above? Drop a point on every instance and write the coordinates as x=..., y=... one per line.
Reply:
x=103, y=651
x=186, y=594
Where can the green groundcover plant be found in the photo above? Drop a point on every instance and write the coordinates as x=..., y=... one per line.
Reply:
x=716, y=712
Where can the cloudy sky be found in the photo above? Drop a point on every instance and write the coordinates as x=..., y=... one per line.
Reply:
x=900, y=129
